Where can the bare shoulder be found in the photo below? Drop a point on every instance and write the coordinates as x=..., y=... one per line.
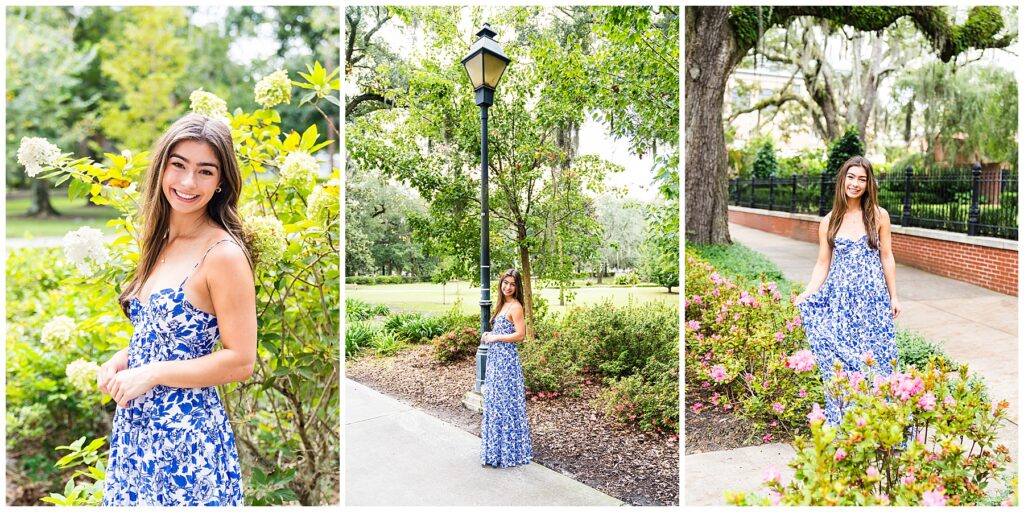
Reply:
x=227, y=261
x=883, y=215
x=515, y=309
x=823, y=224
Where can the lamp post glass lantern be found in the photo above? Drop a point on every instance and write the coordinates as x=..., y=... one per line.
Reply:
x=485, y=65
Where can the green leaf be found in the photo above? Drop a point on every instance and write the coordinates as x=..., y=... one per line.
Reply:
x=309, y=138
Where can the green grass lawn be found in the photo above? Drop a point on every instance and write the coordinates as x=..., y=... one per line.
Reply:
x=73, y=216
x=428, y=297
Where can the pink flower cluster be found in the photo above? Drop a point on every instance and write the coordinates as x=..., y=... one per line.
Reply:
x=747, y=300
x=816, y=415
x=719, y=374
x=801, y=361
x=906, y=385
x=927, y=401
x=693, y=325
x=936, y=498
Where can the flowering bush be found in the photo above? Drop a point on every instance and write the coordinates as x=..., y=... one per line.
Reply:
x=649, y=399
x=914, y=438
x=746, y=349
x=37, y=154
x=456, y=344
x=285, y=416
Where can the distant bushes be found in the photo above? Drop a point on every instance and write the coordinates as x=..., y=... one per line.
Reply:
x=371, y=280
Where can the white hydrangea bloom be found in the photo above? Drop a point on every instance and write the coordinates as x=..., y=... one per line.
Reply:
x=323, y=202
x=57, y=332
x=36, y=153
x=209, y=105
x=299, y=170
x=82, y=375
x=268, y=240
x=85, y=248
x=274, y=89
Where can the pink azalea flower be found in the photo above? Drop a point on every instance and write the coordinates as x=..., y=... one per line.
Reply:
x=909, y=479
x=693, y=324
x=801, y=361
x=772, y=474
x=855, y=379
x=949, y=401
x=861, y=422
x=736, y=316
x=779, y=337
x=767, y=438
x=796, y=321
x=778, y=408
x=907, y=385
x=734, y=328
x=872, y=473
x=697, y=407
x=748, y=377
x=803, y=393
x=882, y=498
x=840, y=455
x=715, y=398
x=705, y=384
x=697, y=299
x=719, y=319
x=718, y=373
x=774, y=497
x=868, y=357
x=727, y=407
x=933, y=499
x=927, y=401
x=746, y=299
x=715, y=292
x=816, y=415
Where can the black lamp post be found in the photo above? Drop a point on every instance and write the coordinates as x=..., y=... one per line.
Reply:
x=485, y=64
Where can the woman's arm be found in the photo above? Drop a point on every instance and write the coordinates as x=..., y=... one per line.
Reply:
x=888, y=260
x=821, y=267
x=518, y=319
x=233, y=293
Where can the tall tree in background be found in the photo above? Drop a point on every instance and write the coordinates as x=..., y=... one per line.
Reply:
x=43, y=65
x=718, y=38
x=147, y=61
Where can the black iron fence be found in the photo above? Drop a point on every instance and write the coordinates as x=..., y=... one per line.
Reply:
x=976, y=201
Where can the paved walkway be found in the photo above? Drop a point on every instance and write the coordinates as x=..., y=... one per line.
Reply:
x=398, y=455
x=974, y=325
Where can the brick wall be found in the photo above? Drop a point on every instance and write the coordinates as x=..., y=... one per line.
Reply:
x=985, y=262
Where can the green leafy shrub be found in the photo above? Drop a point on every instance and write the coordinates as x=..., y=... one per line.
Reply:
x=747, y=266
x=357, y=310
x=846, y=146
x=765, y=164
x=456, y=344
x=357, y=337
x=386, y=343
x=396, y=321
x=550, y=360
x=422, y=329
x=619, y=340
x=380, y=310
x=648, y=400
x=914, y=349
x=85, y=492
x=627, y=279
x=903, y=443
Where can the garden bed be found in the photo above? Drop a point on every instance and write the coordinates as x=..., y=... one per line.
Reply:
x=570, y=434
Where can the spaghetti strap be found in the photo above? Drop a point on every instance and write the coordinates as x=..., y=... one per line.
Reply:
x=201, y=260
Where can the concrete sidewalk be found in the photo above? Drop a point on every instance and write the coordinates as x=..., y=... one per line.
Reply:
x=398, y=455
x=974, y=325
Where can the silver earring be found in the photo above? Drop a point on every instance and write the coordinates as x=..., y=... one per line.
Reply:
x=218, y=189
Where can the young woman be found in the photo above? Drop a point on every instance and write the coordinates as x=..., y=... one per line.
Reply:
x=850, y=302
x=171, y=442
x=505, y=433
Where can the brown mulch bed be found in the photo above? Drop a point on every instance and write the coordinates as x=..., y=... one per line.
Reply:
x=570, y=434
x=713, y=429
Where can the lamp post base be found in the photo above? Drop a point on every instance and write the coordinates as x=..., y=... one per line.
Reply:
x=473, y=401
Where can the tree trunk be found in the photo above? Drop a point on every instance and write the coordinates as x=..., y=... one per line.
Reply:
x=41, y=206
x=712, y=53
x=524, y=257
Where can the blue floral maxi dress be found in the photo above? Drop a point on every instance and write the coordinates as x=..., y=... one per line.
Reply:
x=172, y=446
x=505, y=431
x=849, y=315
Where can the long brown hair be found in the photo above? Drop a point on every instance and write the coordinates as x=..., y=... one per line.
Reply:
x=514, y=274
x=868, y=202
x=155, y=211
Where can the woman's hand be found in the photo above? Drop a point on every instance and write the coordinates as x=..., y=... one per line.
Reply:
x=488, y=337
x=896, y=309
x=132, y=383
x=116, y=363
x=800, y=298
